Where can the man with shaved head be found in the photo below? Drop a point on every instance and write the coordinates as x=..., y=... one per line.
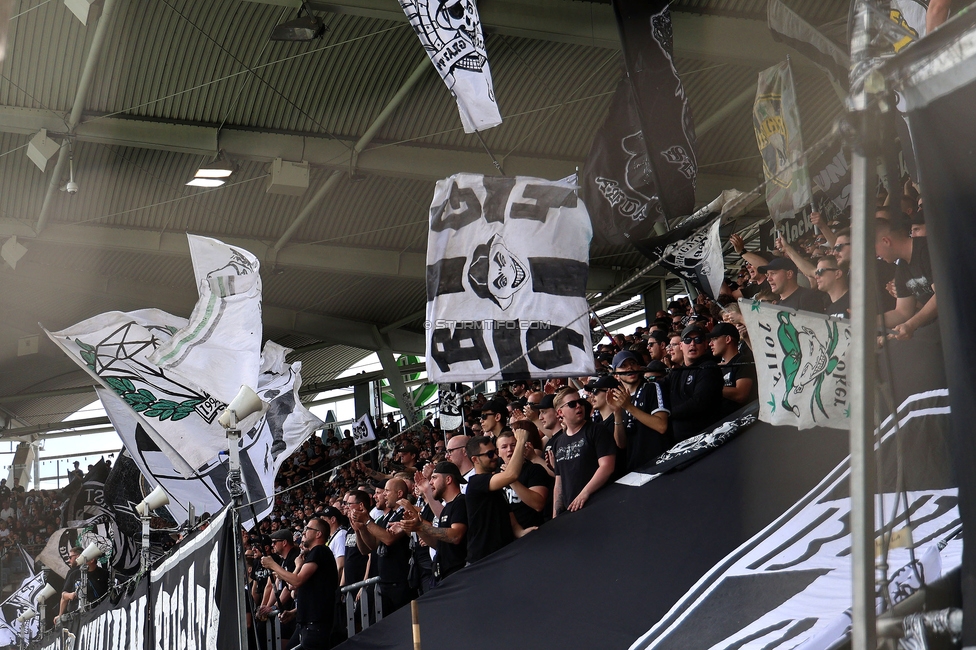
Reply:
x=455, y=452
x=391, y=549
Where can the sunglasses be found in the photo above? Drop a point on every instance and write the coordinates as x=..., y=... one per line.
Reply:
x=820, y=272
x=490, y=454
x=697, y=340
x=485, y=416
x=839, y=247
x=453, y=449
x=572, y=404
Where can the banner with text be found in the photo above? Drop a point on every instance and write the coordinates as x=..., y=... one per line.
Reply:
x=507, y=265
x=801, y=361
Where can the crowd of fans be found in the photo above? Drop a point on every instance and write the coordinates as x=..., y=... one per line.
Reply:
x=441, y=499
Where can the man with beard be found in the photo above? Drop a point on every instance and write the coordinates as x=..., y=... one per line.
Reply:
x=694, y=391
x=583, y=456
x=315, y=582
x=449, y=534
x=640, y=412
x=391, y=548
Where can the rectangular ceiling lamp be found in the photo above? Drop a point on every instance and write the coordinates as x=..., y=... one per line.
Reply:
x=288, y=178
x=41, y=149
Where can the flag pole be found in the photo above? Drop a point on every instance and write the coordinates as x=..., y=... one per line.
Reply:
x=867, y=88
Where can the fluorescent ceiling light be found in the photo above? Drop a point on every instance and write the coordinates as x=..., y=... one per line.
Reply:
x=207, y=182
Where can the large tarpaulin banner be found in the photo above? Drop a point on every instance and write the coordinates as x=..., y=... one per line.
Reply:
x=776, y=119
x=179, y=607
x=939, y=86
x=451, y=34
x=801, y=362
x=507, y=265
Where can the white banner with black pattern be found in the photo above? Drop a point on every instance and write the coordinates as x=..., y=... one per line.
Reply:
x=507, y=265
x=450, y=31
x=362, y=430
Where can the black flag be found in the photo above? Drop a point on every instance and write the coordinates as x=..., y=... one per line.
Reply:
x=662, y=107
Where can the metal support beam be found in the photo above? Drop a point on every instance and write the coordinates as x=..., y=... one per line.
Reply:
x=401, y=160
x=81, y=96
x=696, y=36
x=392, y=372
x=312, y=257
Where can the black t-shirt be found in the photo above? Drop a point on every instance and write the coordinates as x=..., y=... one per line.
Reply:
x=840, y=308
x=489, y=524
x=531, y=476
x=578, y=457
x=393, y=561
x=696, y=398
x=741, y=366
x=451, y=557
x=315, y=598
x=752, y=289
x=914, y=279
x=805, y=299
x=97, y=584
x=354, y=567
x=644, y=444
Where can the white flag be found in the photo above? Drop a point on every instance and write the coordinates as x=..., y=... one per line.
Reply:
x=450, y=31
x=801, y=362
x=219, y=349
x=507, y=265
x=284, y=427
x=114, y=348
x=362, y=430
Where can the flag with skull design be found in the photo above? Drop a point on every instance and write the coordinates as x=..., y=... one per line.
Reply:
x=507, y=265
x=801, y=363
x=450, y=31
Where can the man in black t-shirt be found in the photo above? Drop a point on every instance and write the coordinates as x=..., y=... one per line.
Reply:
x=355, y=502
x=449, y=535
x=529, y=494
x=277, y=593
x=489, y=517
x=315, y=581
x=781, y=274
x=916, y=304
x=738, y=370
x=583, y=456
x=832, y=280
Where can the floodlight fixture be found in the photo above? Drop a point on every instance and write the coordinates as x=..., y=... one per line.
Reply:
x=301, y=28
x=41, y=149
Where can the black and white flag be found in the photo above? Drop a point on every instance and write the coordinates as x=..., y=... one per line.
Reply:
x=450, y=31
x=362, y=430
x=507, y=265
x=618, y=184
x=451, y=407
x=693, y=250
x=662, y=106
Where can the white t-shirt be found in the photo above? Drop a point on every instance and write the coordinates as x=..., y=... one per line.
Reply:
x=338, y=543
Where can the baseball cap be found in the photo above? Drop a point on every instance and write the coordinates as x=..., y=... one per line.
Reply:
x=778, y=264
x=724, y=329
x=622, y=356
x=607, y=381
x=657, y=366
x=448, y=468
x=544, y=403
x=918, y=218
x=694, y=328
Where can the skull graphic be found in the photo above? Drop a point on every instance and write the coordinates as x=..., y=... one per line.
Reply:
x=495, y=273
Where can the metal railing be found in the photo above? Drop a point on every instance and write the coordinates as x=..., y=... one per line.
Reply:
x=374, y=595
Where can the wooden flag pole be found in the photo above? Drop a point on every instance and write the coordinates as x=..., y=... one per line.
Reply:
x=415, y=616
